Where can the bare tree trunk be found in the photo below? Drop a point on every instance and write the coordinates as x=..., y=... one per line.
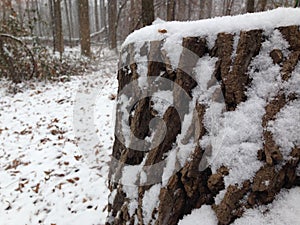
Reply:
x=71, y=19
x=250, y=6
x=262, y=5
x=229, y=7
x=103, y=16
x=170, y=10
x=112, y=20
x=3, y=10
x=120, y=9
x=52, y=23
x=59, y=39
x=20, y=12
x=189, y=10
x=84, y=24
x=202, y=9
x=135, y=15
x=147, y=12
x=97, y=24
x=68, y=22
x=38, y=16
x=28, y=11
x=209, y=8
x=181, y=10
x=6, y=7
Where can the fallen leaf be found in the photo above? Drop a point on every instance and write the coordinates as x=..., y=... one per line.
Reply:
x=36, y=188
x=71, y=181
x=77, y=157
x=162, y=31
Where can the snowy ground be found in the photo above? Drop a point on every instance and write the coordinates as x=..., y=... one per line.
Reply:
x=47, y=175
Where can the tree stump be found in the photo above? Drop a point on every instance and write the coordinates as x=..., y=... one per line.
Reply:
x=207, y=129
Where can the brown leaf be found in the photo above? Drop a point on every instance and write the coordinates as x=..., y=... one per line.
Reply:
x=77, y=157
x=25, y=131
x=54, y=132
x=60, y=101
x=44, y=140
x=57, y=131
x=112, y=96
x=36, y=188
x=48, y=172
x=55, y=120
x=162, y=31
x=59, y=175
x=59, y=186
x=15, y=163
x=71, y=181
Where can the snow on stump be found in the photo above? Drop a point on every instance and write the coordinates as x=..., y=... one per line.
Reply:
x=208, y=118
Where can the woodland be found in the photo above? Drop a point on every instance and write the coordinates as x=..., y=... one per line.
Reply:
x=157, y=112
x=50, y=26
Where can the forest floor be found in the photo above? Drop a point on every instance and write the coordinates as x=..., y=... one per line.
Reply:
x=54, y=149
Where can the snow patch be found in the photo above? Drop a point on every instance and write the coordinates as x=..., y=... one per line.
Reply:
x=284, y=210
x=150, y=201
x=203, y=216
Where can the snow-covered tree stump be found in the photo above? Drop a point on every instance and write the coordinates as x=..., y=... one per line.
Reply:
x=208, y=117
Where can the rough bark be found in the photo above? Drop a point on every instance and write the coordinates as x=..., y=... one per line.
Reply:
x=170, y=10
x=190, y=188
x=96, y=12
x=71, y=18
x=147, y=12
x=205, y=9
x=103, y=15
x=262, y=5
x=181, y=11
x=112, y=23
x=68, y=22
x=84, y=24
x=250, y=6
x=59, y=38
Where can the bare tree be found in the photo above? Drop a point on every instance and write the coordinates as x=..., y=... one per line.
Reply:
x=112, y=21
x=170, y=10
x=6, y=6
x=103, y=15
x=133, y=16
x=28, y=11
x=147, y=12
x=51, y=10
x=71, y=18
x=227, y=7
x=96, y=12
x=84, y=25
x=68, y=22
x=262, y=5
x=209, y=8
x=250, y=6
x=38, y=17
x=59, y=39
x=181, y=10
x=20, y=11
x=202, y=9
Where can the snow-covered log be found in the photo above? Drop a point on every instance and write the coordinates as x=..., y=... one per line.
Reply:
x=208, y=118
